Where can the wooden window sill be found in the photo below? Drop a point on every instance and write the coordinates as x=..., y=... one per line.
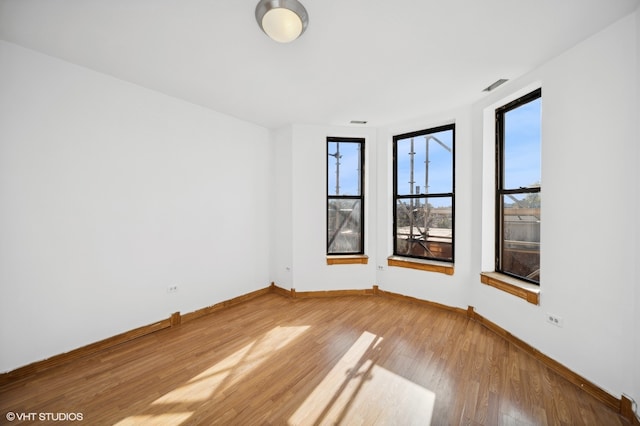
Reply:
x=348, y=259
x=422, y=265
x=524, y=290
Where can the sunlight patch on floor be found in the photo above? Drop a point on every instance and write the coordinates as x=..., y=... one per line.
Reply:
x=205, y=384
x=233, y=368
x=219, y=377
x=358, y=391
x=158, y=419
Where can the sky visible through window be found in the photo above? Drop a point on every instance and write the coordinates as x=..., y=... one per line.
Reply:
x=522, y=146
x=436, y=177
x=348, y=155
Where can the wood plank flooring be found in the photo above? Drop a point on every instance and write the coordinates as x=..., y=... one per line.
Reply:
x=280, y=361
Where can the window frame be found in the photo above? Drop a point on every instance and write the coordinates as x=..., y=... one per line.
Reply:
x=361, y=197
x=447, y=127
x=500, y=191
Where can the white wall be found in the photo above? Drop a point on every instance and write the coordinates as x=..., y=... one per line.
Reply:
x=589, y=202
x=304, y=213
x=306, y=147
x=282, y=196
x=636, y=337
x=436, y=287
x=110, y=193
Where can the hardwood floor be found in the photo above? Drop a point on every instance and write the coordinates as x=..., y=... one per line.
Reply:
x=344, y=360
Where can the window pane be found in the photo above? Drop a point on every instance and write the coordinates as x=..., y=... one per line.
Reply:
x=440, y=163
x=424, y=227
x=521, y=235
x=343, y=168
x=411, y=166
x=425, y=164
x=344, y=226
x=522, y=146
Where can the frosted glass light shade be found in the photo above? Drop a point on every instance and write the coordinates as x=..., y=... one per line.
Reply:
x=282, y=20
x=282, y=25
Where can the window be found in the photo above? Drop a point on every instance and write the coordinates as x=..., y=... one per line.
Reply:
x=518, y=187
x=345, y=196
x=423, y=196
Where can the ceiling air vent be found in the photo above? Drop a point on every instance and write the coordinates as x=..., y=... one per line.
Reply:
x=496, y=84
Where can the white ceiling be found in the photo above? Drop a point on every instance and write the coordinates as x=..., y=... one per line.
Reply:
x=359, y=59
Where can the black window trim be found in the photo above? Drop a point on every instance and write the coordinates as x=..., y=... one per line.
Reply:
x=360, y=197
x=396, y=197
x=499, y=179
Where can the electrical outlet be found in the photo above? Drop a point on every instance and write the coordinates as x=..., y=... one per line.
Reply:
x=554, y=319
x=172, y=289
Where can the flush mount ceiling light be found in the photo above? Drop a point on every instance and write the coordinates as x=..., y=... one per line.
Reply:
x=282, y=20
